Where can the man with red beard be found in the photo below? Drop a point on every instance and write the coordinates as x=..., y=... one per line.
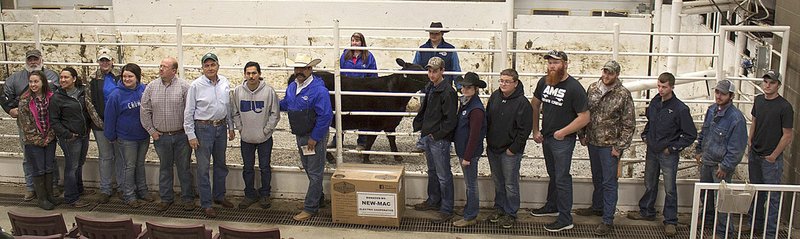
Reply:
x=564, y=101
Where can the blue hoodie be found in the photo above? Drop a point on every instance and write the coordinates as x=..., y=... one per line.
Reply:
x=122, y=114
x=314, y=98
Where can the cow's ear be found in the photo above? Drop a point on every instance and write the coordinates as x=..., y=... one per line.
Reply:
x=401, y=62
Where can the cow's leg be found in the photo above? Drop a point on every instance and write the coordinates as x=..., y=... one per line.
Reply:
x=368, y=146
x=393, y=146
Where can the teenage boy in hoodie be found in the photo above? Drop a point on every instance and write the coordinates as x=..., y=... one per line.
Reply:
x=510, y=121
x=123, y=127
x=255, y=106
x=308, y=105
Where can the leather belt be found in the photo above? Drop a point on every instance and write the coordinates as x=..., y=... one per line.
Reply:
x=170, y=133
x=211, y=122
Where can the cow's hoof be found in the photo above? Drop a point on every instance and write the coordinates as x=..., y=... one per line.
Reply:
x=398, y=158
x=329, y=157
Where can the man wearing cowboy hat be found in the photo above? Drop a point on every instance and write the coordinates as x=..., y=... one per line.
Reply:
x=436, y=41
x=308, y=105
x=15, y=85
x=205, y=120
x=509, y=122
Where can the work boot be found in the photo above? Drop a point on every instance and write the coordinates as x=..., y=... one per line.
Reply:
x=589, y=211
x=670, y=230
x=29, y=195
x=48, y=186
x=246, y=202
x=265, y=202
x=38, y=187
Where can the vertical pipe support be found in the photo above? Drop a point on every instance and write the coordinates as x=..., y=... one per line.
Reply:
x=179, y=45
x=615, y=46
x=674, y=43
x=337, y=85
x=657, y=16
x=37, y=33
x=723, y=34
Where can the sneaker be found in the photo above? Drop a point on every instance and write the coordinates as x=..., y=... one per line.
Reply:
x=544, y=212
x=87, y=192
x=496, y=216
x=603, y=229
x=424, y=206
x=135, y=203
x=588, y=212
x=104, y=198
x=442, y=218
x=638, y=216
x=246, y=202
x=465, y=223
x=265, y=202
x=506, y=222
x=670, y=230
x=29, y=195
x=558, y=226
x=163, y=206
x=79, y=203
x=302, y=216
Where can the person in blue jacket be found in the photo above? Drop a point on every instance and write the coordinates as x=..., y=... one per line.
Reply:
x=436, y=41
x=131, y=140
x=309, y=108
x=358, y=59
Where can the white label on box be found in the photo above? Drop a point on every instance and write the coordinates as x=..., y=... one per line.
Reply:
x=377, y=204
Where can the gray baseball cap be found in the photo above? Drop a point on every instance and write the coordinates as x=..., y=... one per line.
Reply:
x=725, y=86
x=556, y=54
x=773, y=75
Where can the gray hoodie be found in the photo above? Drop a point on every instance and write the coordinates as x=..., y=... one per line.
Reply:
x=255, y=113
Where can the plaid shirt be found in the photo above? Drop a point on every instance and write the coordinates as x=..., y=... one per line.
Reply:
x=163, y=105
x=41, y=106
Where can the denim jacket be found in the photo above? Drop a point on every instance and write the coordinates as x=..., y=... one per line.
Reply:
x=723, y=138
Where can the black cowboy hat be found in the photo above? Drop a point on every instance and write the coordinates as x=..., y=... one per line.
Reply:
x=471, y=79
x=437, y=25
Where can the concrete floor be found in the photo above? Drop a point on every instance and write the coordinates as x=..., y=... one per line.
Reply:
x=292, y=231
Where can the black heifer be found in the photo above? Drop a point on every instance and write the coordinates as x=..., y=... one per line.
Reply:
x=398, y=83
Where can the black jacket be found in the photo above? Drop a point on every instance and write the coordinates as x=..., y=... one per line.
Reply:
x=96, y=96
x=438, y=115
x=510, y=121
x=69, y=115
x=669, y=125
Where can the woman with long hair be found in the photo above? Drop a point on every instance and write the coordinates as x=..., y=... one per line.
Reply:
x=124, y=128
x=71, y=120
x=38, y=137
x=358, y=59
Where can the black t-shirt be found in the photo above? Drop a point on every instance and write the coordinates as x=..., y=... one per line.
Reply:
x=560, y=103
x=771, y=117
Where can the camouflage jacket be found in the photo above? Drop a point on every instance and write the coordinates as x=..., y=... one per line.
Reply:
x=612, y=117
x=28, y=121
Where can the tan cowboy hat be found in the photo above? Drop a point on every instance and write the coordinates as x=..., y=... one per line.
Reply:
x=302, y=60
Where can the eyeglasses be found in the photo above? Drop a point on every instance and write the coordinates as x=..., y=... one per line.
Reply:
x=506, y=82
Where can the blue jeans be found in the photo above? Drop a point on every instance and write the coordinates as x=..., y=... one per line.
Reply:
x=471, y=181
x=74, y=157
x=212, y=144
x=708, y=174
x=440, y=176
x=667, y=165
x=133, y=154
x=604, y=178
x=314, y=166
x=174, y=150
x=763, y=172
x=558, y=160
x=42, y=158
x=248, y=172
x=108, y=164
x=27, y=167
x=505, y=175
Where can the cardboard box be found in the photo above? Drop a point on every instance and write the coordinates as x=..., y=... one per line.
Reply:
x=368, y=194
